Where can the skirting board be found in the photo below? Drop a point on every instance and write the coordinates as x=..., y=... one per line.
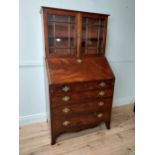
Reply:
x=34, y=118
x=42, y=117
x=123, y=101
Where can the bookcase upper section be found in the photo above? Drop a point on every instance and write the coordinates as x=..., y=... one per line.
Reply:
x=74, y=33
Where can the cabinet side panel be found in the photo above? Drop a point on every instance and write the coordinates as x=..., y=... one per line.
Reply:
x=47, y=85
x=45, y=32
x=105, y=34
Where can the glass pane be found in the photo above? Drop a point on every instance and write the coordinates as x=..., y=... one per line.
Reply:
x=62, y=34
x=72, y=36
x=61, y=51
x=92, y=31
x=51, y=29
x=92, y=37
x=92, y=51
x=92, y=21
x=61, y=30
x=60, y=18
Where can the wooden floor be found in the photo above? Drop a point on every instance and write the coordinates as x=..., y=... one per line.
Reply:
x=120, y=140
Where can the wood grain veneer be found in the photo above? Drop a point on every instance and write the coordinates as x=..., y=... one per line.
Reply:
x=81, y=81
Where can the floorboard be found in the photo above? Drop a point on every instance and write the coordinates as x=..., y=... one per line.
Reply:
x=119, y=140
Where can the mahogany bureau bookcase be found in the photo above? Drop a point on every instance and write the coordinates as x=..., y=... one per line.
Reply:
x=80, y=79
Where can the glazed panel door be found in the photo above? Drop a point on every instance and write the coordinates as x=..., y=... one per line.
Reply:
x=61, y=33
x=69, y=33
x=93, y=34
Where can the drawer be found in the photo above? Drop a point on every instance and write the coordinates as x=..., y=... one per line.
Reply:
x=83, y=107
x=69, y=98
x=81, y=86
x=78, y=122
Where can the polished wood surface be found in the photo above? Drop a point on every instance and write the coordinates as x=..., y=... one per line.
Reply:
x=92, y=105
x=68, y=70
x=86, y=86
x=81, y=102
x=120, y=140
x=79, y=75
x=79, y=34
x=63, y=11
x=83, y=95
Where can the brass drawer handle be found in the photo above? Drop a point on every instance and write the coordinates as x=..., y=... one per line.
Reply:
x=79, y=60
x=66, y=98
x=101, y=103
x=101, y=93
x=99, y=115
x=65, y=123
x=102, y=84
x=65, y=110
x=66, y=88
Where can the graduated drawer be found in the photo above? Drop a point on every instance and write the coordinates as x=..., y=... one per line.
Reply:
x=81, y=86
x=69, y=98
x=78, y=122
x=83, y=107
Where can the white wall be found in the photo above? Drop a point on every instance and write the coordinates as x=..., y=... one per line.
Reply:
x=120, y=51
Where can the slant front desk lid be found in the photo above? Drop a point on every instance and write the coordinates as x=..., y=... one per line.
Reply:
x=71, y=70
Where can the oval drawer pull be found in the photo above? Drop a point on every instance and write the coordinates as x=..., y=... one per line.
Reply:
x=101, y=103
x=65, y=123
x=101, y=93
x=65, y=110
x=66, y=98
x=99, y=115
x=66, y=88
x=102, y=84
